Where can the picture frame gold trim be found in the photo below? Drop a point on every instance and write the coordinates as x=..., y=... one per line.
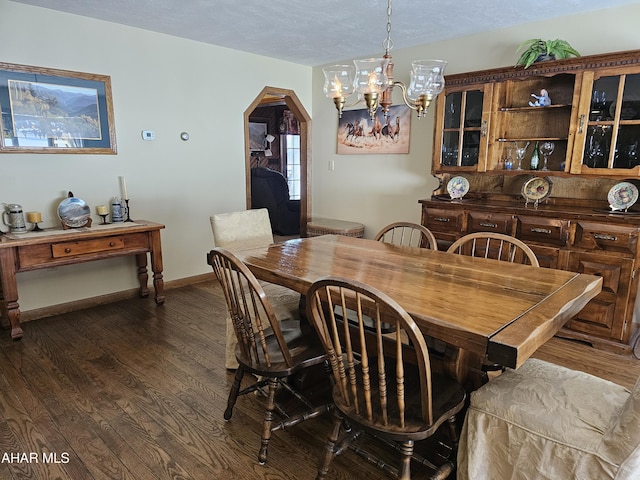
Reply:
x=48, y=110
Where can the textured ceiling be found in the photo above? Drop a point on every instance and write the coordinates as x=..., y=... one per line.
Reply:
x=314, y=32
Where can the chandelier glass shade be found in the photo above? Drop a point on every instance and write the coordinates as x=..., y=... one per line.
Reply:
x=372, y=80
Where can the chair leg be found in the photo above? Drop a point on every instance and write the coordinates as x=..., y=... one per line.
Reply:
x=268, y=419
x=453, y=429
x=330, y=449
x=443, y=472
x=233, y=394
x=406, y=452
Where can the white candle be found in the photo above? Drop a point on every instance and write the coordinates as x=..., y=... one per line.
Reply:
x=123, y=187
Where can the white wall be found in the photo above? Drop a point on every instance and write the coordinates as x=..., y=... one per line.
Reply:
x=170, y=85
x=380, y=189
x=159, y=83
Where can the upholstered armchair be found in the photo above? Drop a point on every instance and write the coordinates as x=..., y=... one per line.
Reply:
x=269, y=189
x=543, y=421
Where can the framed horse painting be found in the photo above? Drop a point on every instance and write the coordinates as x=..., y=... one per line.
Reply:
x=359, y=134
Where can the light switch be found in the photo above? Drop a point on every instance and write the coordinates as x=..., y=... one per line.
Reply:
x=148, y=135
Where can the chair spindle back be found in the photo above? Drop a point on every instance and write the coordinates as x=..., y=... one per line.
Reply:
x=369, y=367
x=250, y=310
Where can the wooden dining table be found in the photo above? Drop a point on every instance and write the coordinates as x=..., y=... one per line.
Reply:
x=480, y=308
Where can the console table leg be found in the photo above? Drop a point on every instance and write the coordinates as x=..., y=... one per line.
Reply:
x=16, y=329
x=143, y=276
x=156, y=266
x=9, y=305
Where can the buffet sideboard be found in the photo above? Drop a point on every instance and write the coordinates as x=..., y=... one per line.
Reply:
x=593, y=124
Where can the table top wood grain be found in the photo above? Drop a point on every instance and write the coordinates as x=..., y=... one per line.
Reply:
x=502, y=310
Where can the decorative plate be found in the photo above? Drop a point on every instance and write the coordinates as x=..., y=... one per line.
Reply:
x=536, y=189
x=74, y=212
x=458, y=187
x=622, y=195
x=627, y=113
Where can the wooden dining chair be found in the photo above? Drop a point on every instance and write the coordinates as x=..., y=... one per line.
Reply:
x=495, y=245
x=243, y=230
x=383, y=387
x=409, y=234
x=266, y=347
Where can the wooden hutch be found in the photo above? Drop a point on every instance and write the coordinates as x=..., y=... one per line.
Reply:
x=481, y=114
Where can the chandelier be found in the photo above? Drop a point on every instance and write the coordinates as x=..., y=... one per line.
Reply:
x=372, y=80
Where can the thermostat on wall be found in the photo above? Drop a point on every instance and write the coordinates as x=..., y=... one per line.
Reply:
x=148, y=135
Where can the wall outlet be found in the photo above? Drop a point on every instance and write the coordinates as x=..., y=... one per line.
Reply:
x=332, y=165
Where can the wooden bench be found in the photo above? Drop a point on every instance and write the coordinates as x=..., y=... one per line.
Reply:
x=329, y=226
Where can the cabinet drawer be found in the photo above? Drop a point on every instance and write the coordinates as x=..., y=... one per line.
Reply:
x=542, y=230
x=489, y=222
x=70, y=249
x=598, y=236
x=446, y=221
x=550, y=257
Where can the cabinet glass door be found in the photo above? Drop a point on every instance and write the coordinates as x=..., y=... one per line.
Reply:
x=462, y=132
x=613, y=126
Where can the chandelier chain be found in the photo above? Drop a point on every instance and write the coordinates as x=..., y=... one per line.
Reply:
x=372, y=79
x=388, y=43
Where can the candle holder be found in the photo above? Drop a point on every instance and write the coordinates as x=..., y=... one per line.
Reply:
x=126, y=211
x=104, y=218
x=36, y=228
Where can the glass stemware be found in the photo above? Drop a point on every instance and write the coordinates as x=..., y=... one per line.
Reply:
x=632, y=155
x=520, y=151
x=595, y=153
x=508, y=161
x=546, y=149
x=598, y=103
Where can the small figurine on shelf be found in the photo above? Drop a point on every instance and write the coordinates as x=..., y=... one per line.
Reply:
x=542, y=100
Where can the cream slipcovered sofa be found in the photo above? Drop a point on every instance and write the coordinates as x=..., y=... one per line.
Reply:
x=543, y=421
x=243, y=230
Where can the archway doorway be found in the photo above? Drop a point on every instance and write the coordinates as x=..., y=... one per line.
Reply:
x=278, y=96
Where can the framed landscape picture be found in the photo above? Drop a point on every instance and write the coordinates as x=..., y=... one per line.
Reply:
x=358, y=134
x=45, y=110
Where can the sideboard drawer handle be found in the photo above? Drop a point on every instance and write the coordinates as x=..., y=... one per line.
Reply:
x=112, y=244
x=67, y=250
x=602, y=236
x=541, y=230
x=442, y=219
x=489, y=225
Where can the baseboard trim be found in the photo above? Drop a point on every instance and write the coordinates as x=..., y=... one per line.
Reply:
x=67, y=307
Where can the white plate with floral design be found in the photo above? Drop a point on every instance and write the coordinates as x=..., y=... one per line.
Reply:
x=458, y=187
x=622, y=196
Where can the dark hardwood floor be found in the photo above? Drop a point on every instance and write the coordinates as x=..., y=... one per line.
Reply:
x=131, y=390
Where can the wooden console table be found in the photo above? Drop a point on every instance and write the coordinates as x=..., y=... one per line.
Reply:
x=55, y=247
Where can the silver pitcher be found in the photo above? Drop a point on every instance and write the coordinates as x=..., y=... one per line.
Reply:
x=13, y=217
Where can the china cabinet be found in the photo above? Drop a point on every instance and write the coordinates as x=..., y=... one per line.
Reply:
x=588, y=139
